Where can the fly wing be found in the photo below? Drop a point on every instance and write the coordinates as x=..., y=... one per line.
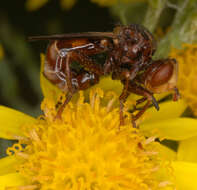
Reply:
x=93, y=35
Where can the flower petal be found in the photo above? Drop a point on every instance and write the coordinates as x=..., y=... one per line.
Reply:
x=11, y=122
x=7, y=165
x=168, y=109
x=49, y=90
x=11, y=180
x=187, y=150
x=166, y=153
x=107, y=84
x=174, y=129
x=185, y=175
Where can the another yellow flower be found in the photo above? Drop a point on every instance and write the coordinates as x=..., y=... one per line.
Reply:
x=187, y=59
x=32, y=5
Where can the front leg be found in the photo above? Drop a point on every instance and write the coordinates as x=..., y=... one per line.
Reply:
x=122, y=99
x=147, y=96
x=124, y=75
x=132, y=87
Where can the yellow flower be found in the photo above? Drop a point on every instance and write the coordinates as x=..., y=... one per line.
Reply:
x=165, y=124
x=84, y=150
x=32, y=5
x=187, y=59
x=87, y=148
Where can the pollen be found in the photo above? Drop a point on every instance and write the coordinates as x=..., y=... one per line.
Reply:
x=87, y=149
x=187, y=59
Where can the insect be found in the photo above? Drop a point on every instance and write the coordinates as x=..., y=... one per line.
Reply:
x=129, y=50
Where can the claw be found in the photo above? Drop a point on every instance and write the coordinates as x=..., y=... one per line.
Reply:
x=61, y=109
x=133, y=121
x=176, y=95
x=155, y=103
x=121, y=113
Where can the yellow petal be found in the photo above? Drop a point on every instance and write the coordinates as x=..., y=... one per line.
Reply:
x=187, y=150
x=11, y=122
x=174, y=129
x=11, y=180
x=49, y=90
x=166, y=153
x=7, y=165
x=32, y=5
x=185, y=175
x=107, y=84
x=168, y=109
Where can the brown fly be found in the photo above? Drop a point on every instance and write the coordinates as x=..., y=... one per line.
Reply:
x=129, y=50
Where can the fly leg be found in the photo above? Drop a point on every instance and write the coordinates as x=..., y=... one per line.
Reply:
x=61, y=109
x=68, y=81
x=139, y=101
x=176, y=94
x=147, y=96
x=125, y=76
x=123, y=97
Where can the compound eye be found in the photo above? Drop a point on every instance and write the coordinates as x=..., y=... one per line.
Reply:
x=162, y=76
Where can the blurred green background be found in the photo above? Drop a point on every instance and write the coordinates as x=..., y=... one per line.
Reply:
x=20, y=64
